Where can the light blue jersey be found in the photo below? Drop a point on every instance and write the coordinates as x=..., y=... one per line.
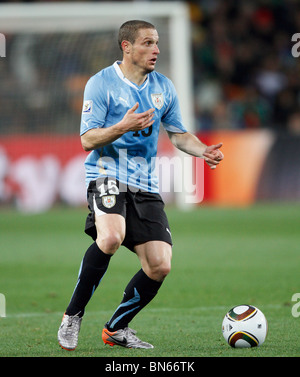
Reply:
x=131, y=158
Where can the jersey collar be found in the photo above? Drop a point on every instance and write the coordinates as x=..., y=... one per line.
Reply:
x=128, y=82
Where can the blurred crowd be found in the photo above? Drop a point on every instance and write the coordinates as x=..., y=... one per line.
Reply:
x=244, y=74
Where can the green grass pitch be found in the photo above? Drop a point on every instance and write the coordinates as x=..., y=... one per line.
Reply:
x=221, y=258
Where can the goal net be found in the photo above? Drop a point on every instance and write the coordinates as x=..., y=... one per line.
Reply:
x=51, y=51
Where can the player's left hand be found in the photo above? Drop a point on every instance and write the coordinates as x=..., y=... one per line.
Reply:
x=213, y=156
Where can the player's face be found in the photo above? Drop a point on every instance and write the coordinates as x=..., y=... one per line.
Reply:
x=145, y=50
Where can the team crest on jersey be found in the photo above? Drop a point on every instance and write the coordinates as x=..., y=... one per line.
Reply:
x=109, y=201
x=87, y=107
x=157, y=100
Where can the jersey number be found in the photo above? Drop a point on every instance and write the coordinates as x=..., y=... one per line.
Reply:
x=147, y=132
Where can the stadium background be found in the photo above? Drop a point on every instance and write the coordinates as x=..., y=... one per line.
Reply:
x=246, y=93
x=240, y=245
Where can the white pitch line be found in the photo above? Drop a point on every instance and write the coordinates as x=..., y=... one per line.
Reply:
x=152, y=310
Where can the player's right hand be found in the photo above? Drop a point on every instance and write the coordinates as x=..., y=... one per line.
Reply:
x=133, y=121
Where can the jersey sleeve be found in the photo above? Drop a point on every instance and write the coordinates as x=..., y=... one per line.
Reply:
x=95, y=106
x=172, y=119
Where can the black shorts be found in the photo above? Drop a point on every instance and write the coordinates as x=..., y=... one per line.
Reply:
x=143, y=211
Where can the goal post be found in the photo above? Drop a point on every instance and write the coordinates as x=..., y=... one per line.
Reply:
x=90, y=16
x=172, y=20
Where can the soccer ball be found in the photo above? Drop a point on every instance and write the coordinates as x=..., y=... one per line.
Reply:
x=244, y=326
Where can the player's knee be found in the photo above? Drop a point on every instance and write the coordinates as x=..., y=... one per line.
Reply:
x=163, y=273
x=109, y=244
x=165, y=269
x=160, y=271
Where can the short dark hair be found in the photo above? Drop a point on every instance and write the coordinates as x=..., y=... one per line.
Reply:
x=129, y=30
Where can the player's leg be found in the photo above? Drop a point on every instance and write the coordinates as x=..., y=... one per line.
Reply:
x=106, y=225
x=110, y=234
x=148, y=235
x=93, y=267
x=155, y=258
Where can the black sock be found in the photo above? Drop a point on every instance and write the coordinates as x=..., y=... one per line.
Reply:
x=138, y=293
x=92, y=269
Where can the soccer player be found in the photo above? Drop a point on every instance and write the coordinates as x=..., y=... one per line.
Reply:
x=124, y=105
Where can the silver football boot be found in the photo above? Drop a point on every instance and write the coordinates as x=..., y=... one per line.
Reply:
x=68, y=332
x=124, y=338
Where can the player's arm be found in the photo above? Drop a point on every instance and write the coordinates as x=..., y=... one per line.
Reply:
x=190, y=144
x=99, y=137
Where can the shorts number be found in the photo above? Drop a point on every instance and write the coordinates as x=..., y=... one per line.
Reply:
x=110, y=188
